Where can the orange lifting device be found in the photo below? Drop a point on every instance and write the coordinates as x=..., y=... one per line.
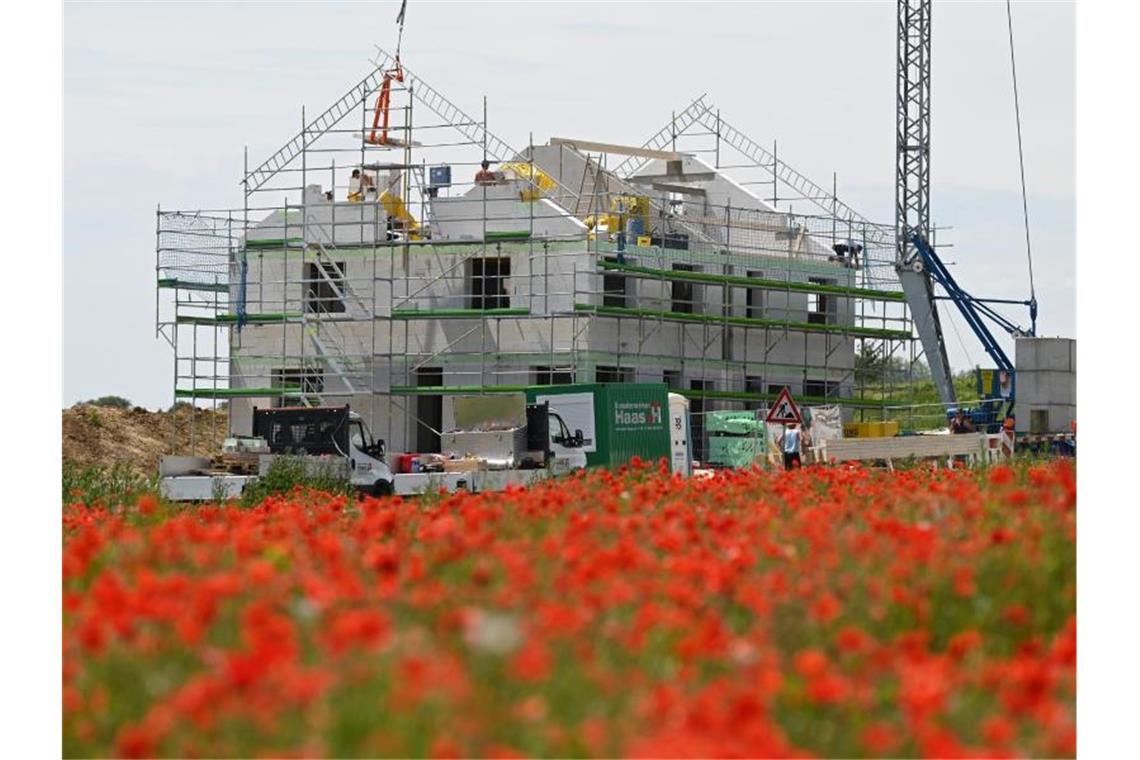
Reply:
x=396, y=73
x=380, y=117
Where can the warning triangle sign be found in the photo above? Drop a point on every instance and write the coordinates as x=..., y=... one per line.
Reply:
x=784, y=410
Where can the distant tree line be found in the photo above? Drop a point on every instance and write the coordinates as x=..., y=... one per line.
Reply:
x=118, y=402
x=115, y=402
x=872, y=366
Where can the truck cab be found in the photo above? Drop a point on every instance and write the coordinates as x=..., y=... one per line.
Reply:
x=370, y=472
x=334, y=432
x=565, y=448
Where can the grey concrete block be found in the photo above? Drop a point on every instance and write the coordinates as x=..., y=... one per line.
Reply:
x=1057, y=418
x=1025, y=385
x=1057, y=388
x=1054, y=354
x=1025, y=354
x=1046, y=387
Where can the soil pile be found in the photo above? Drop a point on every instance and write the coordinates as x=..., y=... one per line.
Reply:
x=137, y=438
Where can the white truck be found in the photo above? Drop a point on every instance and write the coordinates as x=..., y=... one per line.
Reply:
x=495, y=445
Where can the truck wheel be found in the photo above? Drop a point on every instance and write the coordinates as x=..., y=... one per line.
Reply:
x=382, y=488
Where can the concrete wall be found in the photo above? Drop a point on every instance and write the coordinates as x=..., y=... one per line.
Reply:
x=1046, y=384
x=499, y=208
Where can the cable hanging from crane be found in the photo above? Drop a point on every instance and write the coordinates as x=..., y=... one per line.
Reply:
x=1021, y=161
x=379, y=133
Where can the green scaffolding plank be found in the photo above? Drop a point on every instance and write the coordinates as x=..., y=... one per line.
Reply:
x=457, y=313
x=800, y=400
x=764, y=260
x=509, y=235
x=865, y=332
x=755, y=282
x=231, y=319
x=288, y=390
x=173, y=282
x=445, y=247
x=263, y=316
x=292, y=242
x=451, y=390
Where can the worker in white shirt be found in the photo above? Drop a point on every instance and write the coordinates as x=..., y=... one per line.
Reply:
x=355, y=193
x=359, y=185
x=789, y=442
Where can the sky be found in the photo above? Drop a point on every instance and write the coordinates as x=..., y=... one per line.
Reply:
x=160, y=99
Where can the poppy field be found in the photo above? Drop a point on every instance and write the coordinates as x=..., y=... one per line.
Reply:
x=824, y=612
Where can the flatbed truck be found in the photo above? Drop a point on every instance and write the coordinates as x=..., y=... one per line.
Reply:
x=495, y=441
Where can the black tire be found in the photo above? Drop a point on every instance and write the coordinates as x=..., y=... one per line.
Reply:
x=382, y=488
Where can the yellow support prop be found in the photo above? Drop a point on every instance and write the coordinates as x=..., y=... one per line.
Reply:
x=541, y=182
x=394, y=207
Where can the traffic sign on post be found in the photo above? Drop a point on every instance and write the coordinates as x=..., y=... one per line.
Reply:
x=784, y=411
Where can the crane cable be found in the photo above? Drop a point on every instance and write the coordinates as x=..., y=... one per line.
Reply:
x=400, y=21
x=1021, y=161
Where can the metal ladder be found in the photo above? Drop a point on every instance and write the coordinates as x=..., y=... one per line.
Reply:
x=700, y=113
x=315, y=129
x=676, y=126
x=805, y=188
x=330, y=341
x=473, y=130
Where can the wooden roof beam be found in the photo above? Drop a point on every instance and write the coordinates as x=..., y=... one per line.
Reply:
x=621, y=150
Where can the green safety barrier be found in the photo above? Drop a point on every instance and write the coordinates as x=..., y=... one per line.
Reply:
x=621, y=311
x=275, y=242
x=800, y=400
x=449, y=390
x=230, y=319
x=173, y=282
x=755, y=282
x=457, y=313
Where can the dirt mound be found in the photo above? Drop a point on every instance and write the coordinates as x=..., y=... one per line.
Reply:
x=137, y=438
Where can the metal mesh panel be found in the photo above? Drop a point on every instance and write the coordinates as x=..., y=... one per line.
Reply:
x=193, y=248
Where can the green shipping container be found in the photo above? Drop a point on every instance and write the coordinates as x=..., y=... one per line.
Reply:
x=620, y=420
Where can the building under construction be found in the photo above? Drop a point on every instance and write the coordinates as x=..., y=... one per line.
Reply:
x=377, y=262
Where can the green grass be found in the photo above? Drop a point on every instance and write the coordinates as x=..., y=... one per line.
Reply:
x=288, y=473
x=109, y=486
x=922, y=394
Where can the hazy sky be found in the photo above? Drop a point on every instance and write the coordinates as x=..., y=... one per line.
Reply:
x=159, y=100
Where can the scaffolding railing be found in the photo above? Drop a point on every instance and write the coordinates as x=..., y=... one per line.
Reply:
x=453, y=292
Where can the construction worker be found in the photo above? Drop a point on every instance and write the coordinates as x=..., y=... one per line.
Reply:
x=1005, y=384
x=1008, y=437
x=485, y=176
x=961, y=423
x=847, y=253
x=355, y=192
x=789, y=442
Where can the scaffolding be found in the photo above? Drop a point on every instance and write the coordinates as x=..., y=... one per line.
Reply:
x=555, y=270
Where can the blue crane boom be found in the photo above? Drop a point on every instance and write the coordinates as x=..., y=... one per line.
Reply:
x=973, y=308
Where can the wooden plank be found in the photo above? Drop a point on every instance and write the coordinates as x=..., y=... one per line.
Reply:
x=670, y=187
x=621, y=150
x=903, y=447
